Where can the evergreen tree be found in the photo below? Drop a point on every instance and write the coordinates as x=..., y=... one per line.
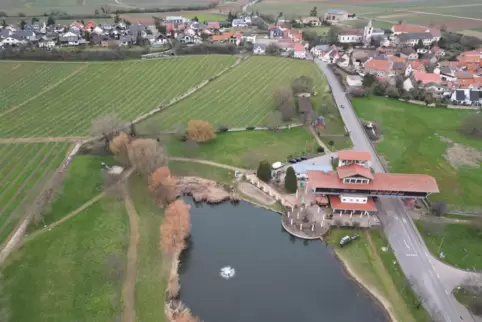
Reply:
x=314, y=12
x=291, y=183
x=117, y=18
x=264, y=171
x=50, y=21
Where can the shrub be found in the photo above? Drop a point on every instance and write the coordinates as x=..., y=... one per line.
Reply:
x=320, y=149
x=250, y=128
x=222, y=128
x=291, y=183
x=264, y=171
x=200, y=131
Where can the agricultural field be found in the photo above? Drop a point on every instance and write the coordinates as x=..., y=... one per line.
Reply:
x=434, y=146
x=23, y=168
x=77, y=93
x=73, y=272
x=243, y=96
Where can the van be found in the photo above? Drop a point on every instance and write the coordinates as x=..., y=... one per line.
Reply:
x=276, y=165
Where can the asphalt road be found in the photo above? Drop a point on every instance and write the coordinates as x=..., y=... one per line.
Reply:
x=415, y=261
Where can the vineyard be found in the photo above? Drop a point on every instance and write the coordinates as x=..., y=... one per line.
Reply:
x=244, y=96
x=62, y=99
x=22, y=168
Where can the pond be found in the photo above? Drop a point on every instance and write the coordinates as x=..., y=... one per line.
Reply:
x=277, y=277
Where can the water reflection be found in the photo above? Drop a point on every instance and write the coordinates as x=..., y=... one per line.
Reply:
x=278, y=278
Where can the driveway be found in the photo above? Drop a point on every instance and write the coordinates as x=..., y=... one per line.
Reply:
x=434, y=280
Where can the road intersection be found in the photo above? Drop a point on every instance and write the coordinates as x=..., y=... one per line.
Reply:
x=432, y=279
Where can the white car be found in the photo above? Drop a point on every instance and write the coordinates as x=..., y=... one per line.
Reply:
x=276, y=165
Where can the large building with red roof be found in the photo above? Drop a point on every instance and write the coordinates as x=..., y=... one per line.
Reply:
x=352, y=187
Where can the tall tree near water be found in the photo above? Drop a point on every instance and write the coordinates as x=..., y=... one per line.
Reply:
x=291, y=183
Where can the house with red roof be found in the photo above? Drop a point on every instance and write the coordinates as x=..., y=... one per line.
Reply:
x=90, y=25
x=352, y=187
x=213, y=25
x=414, y=66
x=422, y=78
x=299, y=51
x=228, y=37
x=381, y=68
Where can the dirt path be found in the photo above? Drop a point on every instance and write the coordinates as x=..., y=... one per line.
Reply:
x=317, y=138
x=214, y=164
x=130, y=280
x=76, y=211
x=46, y=89
x=443, y=15
x=392, y=291
x=44, y=140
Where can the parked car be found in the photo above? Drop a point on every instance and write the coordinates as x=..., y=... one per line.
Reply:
x=292, y=161
x=304, y=158
x=276, y=165
x=298, y=159
x=348, y=239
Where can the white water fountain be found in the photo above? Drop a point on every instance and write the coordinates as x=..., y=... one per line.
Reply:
x=227, y=272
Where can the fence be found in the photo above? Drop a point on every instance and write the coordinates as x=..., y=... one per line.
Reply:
x=268, y=190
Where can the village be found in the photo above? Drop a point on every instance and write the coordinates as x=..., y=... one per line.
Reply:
x=407, y=61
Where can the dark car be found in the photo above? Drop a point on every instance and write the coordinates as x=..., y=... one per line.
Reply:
x=304, y=158
x=292, y=161
x=298, y=159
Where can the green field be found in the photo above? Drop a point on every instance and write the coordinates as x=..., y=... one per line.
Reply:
x=205, y=16
x=82, y=182
x=317, y=30
x=246, y=149
x=67, y=105
x=243, y=96
x=151, y=278
x=460, y=244
x=414, y=142
x=64, y=274
x=23, y=168
x=380, y=275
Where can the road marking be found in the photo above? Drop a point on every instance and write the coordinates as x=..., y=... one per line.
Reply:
x=406, y=244
x=411, y=255
x=404, y=220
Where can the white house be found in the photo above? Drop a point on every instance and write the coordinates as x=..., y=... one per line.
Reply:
x=259, y=49
x=240, y=23
x=11, y=41
x=176, y=19
x=299, y=51
x=319, y=50
x=351, y=36
x=250, y=38
x=46, y=43
x=354, y=80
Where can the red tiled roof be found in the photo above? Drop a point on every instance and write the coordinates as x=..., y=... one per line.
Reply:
x=464, y=75
x=427, y=77
x=379, y=65
x=169, y=27
x=298, y=47
x=381, y=181
x=353, y=170
x=417, y=65
x=225, y=36
x=336, y=204
x=408, y=28
x=214, y=25
x=354, y=155
x=467, y=82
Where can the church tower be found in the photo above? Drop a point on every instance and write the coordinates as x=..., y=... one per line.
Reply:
x=367, y=33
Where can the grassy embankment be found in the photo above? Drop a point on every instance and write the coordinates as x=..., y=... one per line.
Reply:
x=74, y=272
x=376, y=270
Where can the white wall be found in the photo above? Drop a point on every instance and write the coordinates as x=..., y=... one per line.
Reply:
x=354, y=199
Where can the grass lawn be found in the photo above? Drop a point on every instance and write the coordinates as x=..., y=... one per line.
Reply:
x=244, y=96
x=245, y=149
x=205, y=17
x=151, y=278
x=187, y=168
x=460, y=244
x=362, y=260
x=412, y=144
x=318, y=30
x=62, y=275
x=82, y=182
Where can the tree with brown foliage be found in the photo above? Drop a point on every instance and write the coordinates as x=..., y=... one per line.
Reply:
x=175, y=228
x=200, y=131
x=118, y=146
x=163, y=186
x=146, y=155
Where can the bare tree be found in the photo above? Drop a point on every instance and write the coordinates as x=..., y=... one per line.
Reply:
x=146, y=155
x=275, y=120
x=439, y=208
x=107, y=126
x=179, y=131
x=287, y=112
x=302, y=84
x=283, y=96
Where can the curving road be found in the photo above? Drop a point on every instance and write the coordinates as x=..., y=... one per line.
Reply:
x=432, y=279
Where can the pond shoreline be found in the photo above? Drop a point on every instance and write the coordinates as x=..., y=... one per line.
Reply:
x=380, y=300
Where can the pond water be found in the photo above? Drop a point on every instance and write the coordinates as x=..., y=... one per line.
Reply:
x=277, y=277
